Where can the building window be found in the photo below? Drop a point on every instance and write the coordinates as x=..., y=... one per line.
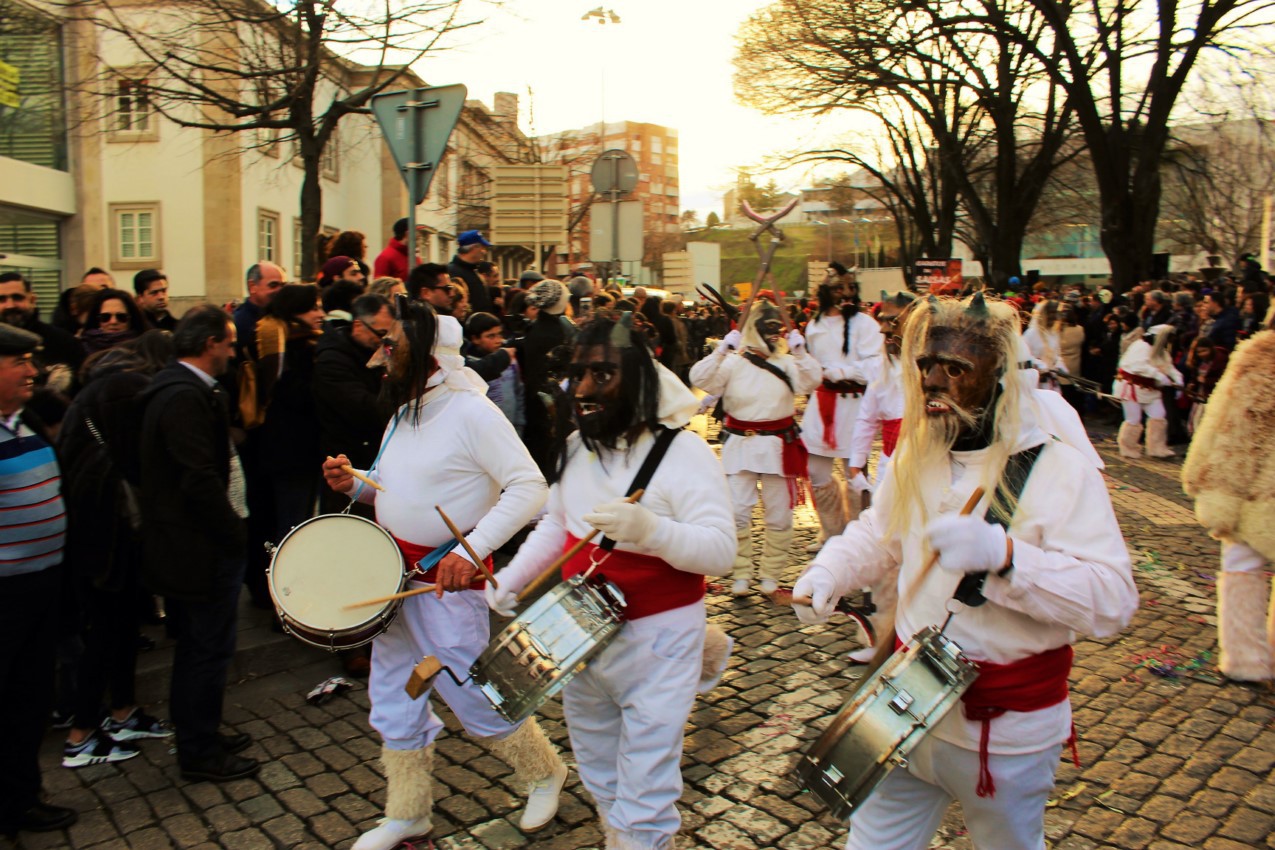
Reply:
x=268, y=141
x=330, y=164
x=657, y=159
x=267, y=236
x=135, y=242
x=132, y=107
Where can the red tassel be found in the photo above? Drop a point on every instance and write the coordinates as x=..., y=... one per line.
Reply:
x=1071, y=742
x=986, y=785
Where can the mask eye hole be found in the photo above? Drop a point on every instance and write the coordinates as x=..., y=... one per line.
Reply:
x=952, y=370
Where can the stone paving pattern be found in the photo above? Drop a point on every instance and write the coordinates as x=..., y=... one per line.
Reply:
x=1171, y=756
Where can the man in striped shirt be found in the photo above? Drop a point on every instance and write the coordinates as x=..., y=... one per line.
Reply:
x=32, y=533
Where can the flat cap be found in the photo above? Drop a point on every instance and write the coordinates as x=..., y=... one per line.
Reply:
x=17, y=341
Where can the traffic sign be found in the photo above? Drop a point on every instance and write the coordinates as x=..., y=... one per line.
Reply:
x=615, y=172
x=416, y=124
x=529, y=204
x=615, y=231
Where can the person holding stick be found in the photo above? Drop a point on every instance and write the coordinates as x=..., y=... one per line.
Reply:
x=1035, y=562
x=626, y=711
x=446, y=446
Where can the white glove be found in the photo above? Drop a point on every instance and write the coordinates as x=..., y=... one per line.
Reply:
x=623, y=522
x=836, y=372
x=504, y=600
x=860, y=483
x=731, y=340
x=818, y=584
x=967, y=544
x=795, y=339
x=707, y=403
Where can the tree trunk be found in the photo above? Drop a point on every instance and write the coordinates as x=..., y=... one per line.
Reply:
x=311, y=207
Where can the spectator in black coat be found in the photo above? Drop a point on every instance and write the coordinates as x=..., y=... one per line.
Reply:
x=471, y=249
x=1226, y=319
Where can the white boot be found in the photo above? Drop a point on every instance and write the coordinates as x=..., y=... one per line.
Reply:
x=1127, y=440
x=409, y=799
x=1158, y=438
x=717, y=649
x=536, y=762
x=1244, y=651
x=830, y=505
x=775, y=546
x=743, y=572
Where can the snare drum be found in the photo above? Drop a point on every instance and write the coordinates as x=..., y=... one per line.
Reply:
x=324, y=564
x=884, y=720
x=537, y=654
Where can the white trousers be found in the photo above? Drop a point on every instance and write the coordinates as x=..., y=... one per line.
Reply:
x=626, y=714
x=1241, y=558
x=455, y=629
x=1133, y=410
x=906, y=809
x=820, y=468
x=776, y=503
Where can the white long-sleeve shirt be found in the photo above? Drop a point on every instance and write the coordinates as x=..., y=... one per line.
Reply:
x=464, y=456
x=862, y=363
x=1071, y=576
x=752, y=394
x=696, y=530
x=1046, y=349
x=1136, y=360
x=882, y=402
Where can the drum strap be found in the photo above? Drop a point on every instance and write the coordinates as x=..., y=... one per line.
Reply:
x=646, y=471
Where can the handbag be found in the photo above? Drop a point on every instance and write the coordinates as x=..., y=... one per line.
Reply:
x=129, y=507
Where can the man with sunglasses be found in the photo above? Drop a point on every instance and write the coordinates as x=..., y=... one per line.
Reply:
x=431, y=283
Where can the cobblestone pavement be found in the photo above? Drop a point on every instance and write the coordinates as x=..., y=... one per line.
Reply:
x=1172, y=758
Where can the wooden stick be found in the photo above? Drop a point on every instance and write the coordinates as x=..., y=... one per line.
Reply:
x=553, y=569
x=428, y=588
x=345, y=467
x=460, y=538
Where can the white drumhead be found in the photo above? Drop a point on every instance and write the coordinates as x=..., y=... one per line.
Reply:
x=329, y=562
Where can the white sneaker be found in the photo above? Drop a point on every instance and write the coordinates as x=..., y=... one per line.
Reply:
x=769, y=586
x=739, y=587
x=542, y=800
x=393, y=832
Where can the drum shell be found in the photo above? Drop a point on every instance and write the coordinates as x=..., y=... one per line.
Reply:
x=535, y=656
x=391, y=576
x=884, y=720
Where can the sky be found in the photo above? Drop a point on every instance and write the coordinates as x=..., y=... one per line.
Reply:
x=667, y=62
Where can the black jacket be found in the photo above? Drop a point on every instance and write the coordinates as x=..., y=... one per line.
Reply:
x=345, y=396
x=189, y=527
x=59, y=346
x=468, y=272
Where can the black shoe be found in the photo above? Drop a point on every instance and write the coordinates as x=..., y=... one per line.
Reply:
x=43, y=817
x=235, y=743
x=221, y=768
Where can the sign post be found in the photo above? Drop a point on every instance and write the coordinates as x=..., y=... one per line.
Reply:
x=529, y=206
x=416, y=124
x=614, y=176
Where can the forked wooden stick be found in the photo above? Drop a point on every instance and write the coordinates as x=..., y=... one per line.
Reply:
x=552, y=570
x=460, y=538
x=427, y=588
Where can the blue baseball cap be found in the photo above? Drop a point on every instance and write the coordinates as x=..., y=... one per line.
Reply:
x=472, y=237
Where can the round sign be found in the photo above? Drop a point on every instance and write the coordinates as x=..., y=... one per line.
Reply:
x=614, y=171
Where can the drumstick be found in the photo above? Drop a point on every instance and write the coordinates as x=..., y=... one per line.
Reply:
x=460, y=538
x=552, y=569
x=428, y=588
x=345, y=467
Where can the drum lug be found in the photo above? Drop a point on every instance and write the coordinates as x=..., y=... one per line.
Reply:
x=899, y=761
x=270, y=548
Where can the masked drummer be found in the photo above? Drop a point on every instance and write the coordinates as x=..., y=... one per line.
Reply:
x=446, y=445
x=762, y=444
x=1061, y=570
x=626, y=711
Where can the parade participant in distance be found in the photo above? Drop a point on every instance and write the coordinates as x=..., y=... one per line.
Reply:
x=761, y=444
x=1144, y=368
x=627, y=710
x=1044, y=340
x=446, y=445
x=1035, y=571
x=1229, y=472
x=847, y=343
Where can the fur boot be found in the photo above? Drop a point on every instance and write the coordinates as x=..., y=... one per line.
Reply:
x=529, y=752
x=1127, y=439
x=1241, y=604
x=409, y=792
x=775, y=546
x=1158, y=438
x=830, y=505
x=744, y=553
x=717, y=649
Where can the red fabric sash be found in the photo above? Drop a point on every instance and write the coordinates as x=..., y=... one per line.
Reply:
x=650, y=585
x=413, y=552
x=795, y=456
x=889, y=435
x=1139, y=380
x=1028, y=684
x=828, y=414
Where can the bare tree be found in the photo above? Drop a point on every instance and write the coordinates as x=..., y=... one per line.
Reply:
x=289, y=70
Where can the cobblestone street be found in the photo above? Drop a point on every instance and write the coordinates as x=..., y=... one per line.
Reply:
x=1171, y=757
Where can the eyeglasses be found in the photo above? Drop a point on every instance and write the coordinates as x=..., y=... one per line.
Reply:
x=106, y=317
x=16, y=298
x=380, y=334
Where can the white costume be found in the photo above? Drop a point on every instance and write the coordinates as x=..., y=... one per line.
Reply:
x=627, y=710
x=1054, y=414
x=1139, y=377
x=464, y=455
x=751, y=397
x=1043, y=339
x=859, y=364
x=881, y=407
x=1071, y=575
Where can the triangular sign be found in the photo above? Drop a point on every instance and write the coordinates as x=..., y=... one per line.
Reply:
x=416, y=124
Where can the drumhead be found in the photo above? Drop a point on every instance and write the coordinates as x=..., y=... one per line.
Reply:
x=330, y=561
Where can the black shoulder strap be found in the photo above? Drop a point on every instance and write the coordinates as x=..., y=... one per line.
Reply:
x=1017, y=470
x=762, y=363
x=646, y=471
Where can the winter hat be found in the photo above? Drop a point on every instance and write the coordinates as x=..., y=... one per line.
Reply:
x=550, y=296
